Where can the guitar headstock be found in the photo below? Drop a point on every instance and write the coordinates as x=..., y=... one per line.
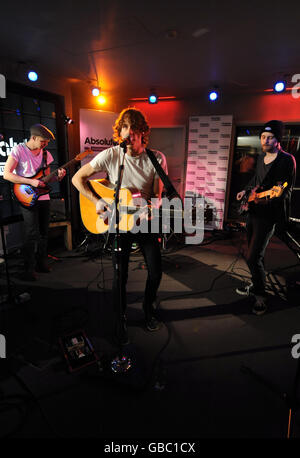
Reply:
x=82, y=155
x=276, y=191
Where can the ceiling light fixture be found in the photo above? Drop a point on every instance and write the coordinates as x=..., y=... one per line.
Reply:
x=152, y=98
x=213, y=95
x=279, y=86
x=96, y=91
x=32, y=76
x=101, y=100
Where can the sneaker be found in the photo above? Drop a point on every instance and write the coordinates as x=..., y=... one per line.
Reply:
x=152, y=324
x=260, y=305
x=245, y=290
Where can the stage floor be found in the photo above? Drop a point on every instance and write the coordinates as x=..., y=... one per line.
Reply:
x=187, y=380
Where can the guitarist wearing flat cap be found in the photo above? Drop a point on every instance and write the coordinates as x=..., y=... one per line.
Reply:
x=23, y=164
x=268, y=196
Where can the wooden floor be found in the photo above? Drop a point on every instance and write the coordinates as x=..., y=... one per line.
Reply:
x=188, y=379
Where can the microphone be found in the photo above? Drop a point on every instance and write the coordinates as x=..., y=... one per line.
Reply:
x=125, y=142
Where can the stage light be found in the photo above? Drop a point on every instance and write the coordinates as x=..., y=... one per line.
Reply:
x=32, y=76
x=213, y=96
x=67, y=120
x=96, y=91
x=101, y=100
x=279, y=86
x=152, y=98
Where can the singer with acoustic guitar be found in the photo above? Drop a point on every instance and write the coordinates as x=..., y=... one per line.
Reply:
x=22, y=168
x=268, y=205
x=138, y=174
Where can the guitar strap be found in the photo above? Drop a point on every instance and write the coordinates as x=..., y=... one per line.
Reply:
x=44, y=162
x=170, y=190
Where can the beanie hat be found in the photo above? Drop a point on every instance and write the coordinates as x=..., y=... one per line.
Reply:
x=274, y=127
x=41, y=131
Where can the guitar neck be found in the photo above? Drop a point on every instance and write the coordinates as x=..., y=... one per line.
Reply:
x=259, y=195
x=263, y=194
x=47, y=178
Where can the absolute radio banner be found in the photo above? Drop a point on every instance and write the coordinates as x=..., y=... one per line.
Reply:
x=208, y=158
x=96, y=131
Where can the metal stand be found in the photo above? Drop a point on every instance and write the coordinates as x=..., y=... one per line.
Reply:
x=121, y=363
x=10, y=299
x=291, y=401
x=291, y=243
x=165, y=239
x=294, y=246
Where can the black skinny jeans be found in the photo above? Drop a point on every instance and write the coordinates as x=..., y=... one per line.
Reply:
x=151, y=251
x=259, y=232
x=36, y=225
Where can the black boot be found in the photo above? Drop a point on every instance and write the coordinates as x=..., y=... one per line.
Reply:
x=151, y=322
x=29, y=262
x=29, y=276
x=42, y=257
x=42, y=266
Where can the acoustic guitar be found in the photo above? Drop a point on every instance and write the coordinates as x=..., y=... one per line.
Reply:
x=252, y=195
x=28, y=195
x=129, y=210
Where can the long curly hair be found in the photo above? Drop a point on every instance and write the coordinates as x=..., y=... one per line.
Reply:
x=137, y=121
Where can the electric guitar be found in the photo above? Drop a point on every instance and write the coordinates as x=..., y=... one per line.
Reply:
x=129, y=212
x=28, y=195
x=252, y=195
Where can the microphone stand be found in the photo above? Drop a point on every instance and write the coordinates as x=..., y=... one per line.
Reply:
x=121, y=363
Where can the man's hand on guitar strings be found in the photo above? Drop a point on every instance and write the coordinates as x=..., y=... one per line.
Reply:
x=37, y=183
x=61, y=173
x=102, y=207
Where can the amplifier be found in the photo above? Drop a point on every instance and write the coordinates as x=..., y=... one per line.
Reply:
x=9, y=212
x=295, y=203
x=57, y=210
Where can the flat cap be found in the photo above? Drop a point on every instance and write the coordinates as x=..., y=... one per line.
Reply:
x=41, y=131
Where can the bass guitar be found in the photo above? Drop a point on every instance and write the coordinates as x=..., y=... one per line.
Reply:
x=253, y=196
x=28, y=195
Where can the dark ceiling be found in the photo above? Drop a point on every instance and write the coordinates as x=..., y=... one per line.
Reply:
x=176, y=47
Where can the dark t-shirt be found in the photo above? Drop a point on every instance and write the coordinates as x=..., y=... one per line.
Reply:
x=261, y=171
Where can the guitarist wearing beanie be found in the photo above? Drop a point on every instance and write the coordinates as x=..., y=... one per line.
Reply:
x=24, y=162
x=275, y=171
